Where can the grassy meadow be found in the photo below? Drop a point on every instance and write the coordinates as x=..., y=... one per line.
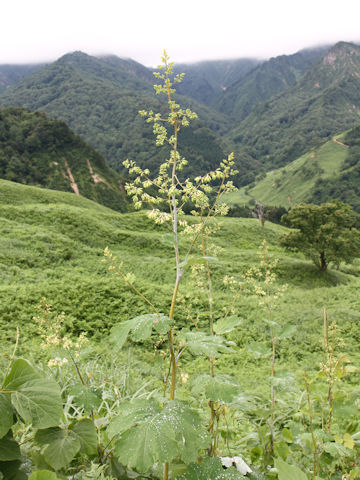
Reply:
x=294, y=183
x=52, y=246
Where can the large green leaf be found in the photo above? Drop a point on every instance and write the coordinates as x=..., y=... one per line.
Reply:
x=6, y=414
x=227, y=324
x=200, y=343
x=132, y=413
x=21, y=371
x=336, y=449
x=86, y=433
x=62, y=446
x=287, y=472
x=9, y=448
x=11, y=470
x=38, y=402
x=85, y=397
x=43, y=475
x=210, y=469
x=140, y=327
x=157, y=434
x=146, y=444
x=221, y=388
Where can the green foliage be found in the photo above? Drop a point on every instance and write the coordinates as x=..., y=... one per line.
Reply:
x=35, y=150
x=319, y=105
x=325, y=233
x=286, y=471
x=151, y=433
x=36, y=399
x=66, y=90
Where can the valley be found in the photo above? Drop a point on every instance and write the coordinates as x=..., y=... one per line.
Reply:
x=150, y=338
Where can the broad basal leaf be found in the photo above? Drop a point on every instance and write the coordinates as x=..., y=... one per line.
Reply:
x=11, y=470
x=190, y=433
x=38, y=402
x=132, y=413
x=158, y=435
x=62, y=446
x=286, y=332
x=85, y=397
x=140, y=328
x=287, y=472
x=210, y=468
x=199, y=343
x=221, y=388
x=6, y=414
x=21, y=371
x=9, y=448
x=86, y=433
x=148, y=443
x=226, y=325
x=258, y=350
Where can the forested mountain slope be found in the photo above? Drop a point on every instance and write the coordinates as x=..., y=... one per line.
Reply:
x=10, y=74
x=206, y=81
x=36, y=150
x=266, y=80
x=324, y=102
x=100, y=99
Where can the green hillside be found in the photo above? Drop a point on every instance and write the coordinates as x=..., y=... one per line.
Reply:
x=294, y=183
x=344, y=184
x=99, y=98
x=10, y=74
x=323, y=103
x=266, y=80
x=52, y=245
x=35, y=150
x=206, y=81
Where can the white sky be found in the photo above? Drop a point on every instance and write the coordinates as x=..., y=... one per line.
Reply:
x=191, y=30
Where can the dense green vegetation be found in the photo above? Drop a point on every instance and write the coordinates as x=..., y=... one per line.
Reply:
x=10, y=74
x=66, y=90
x=52, y=246
x=266, y=80
x=345, y=185
x=324, y=233
x=162, y=341
x=323, y=103
x=295, y=182
x=325, y=173
x=206, y=81
x=252, y=114
x=35, y=150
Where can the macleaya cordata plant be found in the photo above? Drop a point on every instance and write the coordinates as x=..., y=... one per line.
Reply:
x=148, y=432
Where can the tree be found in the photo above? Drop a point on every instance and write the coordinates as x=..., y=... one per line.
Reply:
x=325, y=233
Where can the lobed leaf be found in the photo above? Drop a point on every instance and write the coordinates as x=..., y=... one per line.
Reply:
x=62, y=446
x=43, y=475
x=140, y=327
x=226, y=325
x=200, y=343
x=38, y=402
x=152, y=434
x=86, y=432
